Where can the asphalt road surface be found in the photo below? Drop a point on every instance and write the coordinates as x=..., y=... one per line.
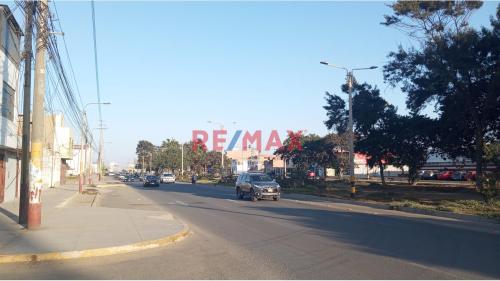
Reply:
x=240, y=239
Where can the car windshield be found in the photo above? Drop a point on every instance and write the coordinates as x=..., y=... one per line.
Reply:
x=258, y=178
x=151, y=177
x=167, y=175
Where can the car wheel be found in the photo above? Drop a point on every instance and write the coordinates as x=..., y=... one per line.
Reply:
x=276, y=198
x=239, y=194
x=252, y=196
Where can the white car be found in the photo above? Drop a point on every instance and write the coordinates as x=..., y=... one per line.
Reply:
x=167, y=178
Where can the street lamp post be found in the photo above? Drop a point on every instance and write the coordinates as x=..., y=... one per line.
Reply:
x=83, y=139
x=350, y=84
x=222, y=152
x=182, y=160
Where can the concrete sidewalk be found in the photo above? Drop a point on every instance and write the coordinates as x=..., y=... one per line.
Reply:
x=76, y=225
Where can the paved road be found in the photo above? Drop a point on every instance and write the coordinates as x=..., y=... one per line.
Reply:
x=234, y=239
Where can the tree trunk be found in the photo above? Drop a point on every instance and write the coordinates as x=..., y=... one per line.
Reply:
x=381, y=165
x=412, y=175
x=479, y=158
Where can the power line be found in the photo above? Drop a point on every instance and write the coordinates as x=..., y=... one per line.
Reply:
x=63, y=89
x=95, y=61
x=67, y=55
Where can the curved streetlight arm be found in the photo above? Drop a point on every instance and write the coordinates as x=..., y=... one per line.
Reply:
x=365, y=68
x=101, y=103
x=334, y=66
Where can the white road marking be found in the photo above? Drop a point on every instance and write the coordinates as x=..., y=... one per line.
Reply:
x=166, y=217
x=231, y=200
x=182, y=203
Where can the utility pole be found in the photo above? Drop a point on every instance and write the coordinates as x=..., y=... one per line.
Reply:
x=150, y=161
x=222, y=151
x=100, y=152
x=350, y=84
x=81, y=182
x=35, y=204
x=142, y=167
x=89, y=165
x=25, y=167
x=182, y=160
x=352, y=179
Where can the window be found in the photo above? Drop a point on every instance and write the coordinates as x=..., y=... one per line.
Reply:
x=260, y=178
x=7, y=105
x=10, y=40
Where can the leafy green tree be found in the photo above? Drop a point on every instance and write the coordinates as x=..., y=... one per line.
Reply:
x=371, y=116
x=195, y=154
x=492, y=154
x=322, y=151
x=459, y=72
x=144, y=152
x=336, y=112
x=340, y=144
x=296, y=147
x=170, y=155
x=431, y=19
x=415, y=135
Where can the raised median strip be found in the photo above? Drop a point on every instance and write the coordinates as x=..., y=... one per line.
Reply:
x=98, y=252
x=326, y=202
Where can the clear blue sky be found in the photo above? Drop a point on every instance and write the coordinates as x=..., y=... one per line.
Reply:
x=168, y=67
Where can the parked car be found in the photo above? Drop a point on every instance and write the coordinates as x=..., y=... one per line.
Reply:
x=257, y=186
x=471, y=176
x=167, y=178
x=428, y=175
x=151, y=181
x=311, y=175
x=458, y=176
x=445, y=176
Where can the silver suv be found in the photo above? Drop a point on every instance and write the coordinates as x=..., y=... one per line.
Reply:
x=257, y=186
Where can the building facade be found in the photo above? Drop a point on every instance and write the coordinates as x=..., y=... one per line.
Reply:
x=58, y=149
x=10, y=140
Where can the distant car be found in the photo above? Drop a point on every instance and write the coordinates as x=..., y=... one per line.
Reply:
x=128, y=179
x=167, y=178
x=151, y=181
x=458, y=176
x=311, y=175
x=428, y=175
x=257, y=186
x=445, y=176
x=121, y=177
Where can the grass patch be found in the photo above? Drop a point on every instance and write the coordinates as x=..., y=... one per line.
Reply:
x=307, y=190
x=466, y=207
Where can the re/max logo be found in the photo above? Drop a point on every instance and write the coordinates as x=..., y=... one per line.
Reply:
x=200, y=138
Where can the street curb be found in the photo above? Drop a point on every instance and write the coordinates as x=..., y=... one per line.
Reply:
x=110, y=185
x=99, y=252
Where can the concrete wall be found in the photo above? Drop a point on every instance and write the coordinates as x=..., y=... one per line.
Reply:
x=10, y=176
x=74, y=162
x=51, y=173
x=58, y=145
